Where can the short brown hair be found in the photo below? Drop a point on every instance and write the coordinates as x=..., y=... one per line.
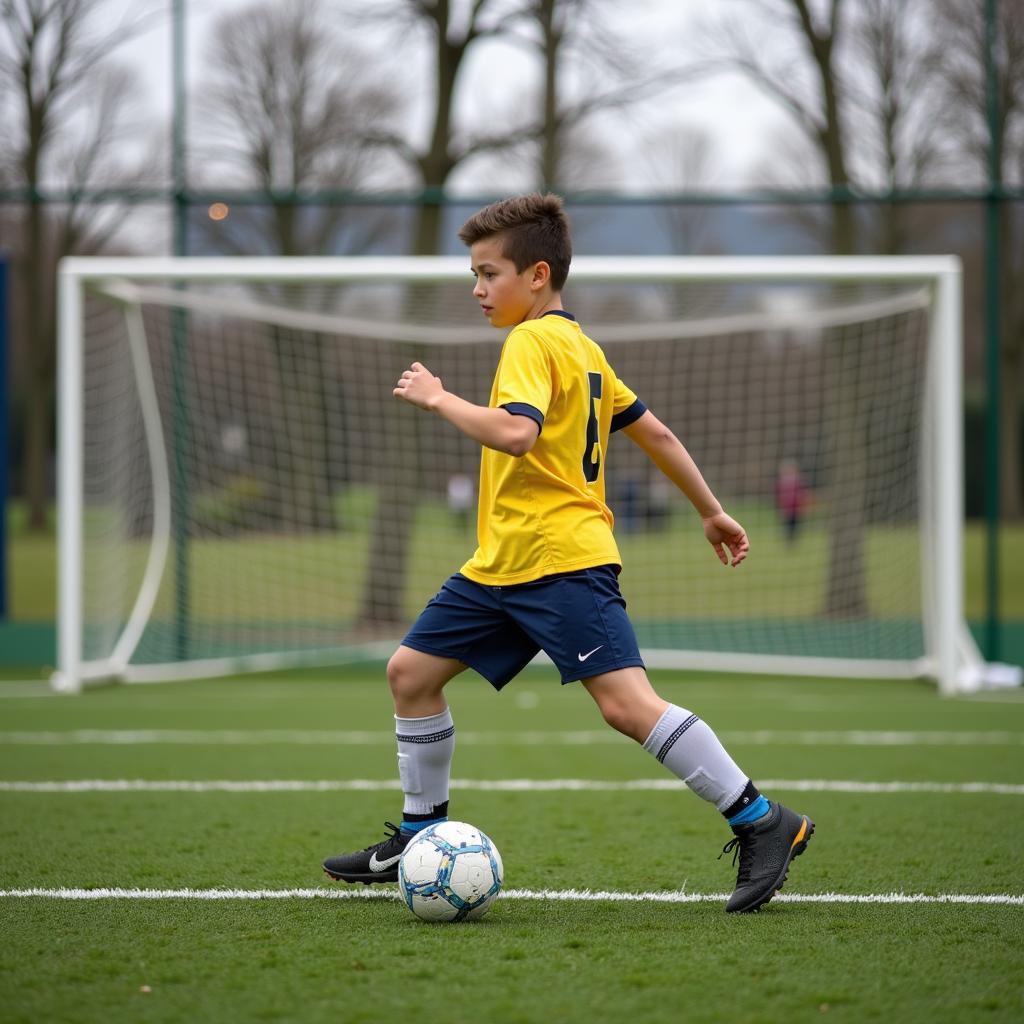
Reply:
x=532, y=228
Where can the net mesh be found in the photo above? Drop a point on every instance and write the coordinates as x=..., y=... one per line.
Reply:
x=310, y=513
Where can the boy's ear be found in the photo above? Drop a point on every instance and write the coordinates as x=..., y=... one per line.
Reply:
x=541, y=275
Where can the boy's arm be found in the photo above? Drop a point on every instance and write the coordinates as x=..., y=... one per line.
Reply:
x=666, y=451
x=494, y=428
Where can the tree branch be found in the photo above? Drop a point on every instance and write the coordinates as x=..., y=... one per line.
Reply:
x=496, y=143
x=392, y=141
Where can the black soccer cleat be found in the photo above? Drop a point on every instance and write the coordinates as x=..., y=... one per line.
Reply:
x=377, y=863
x=765, y=849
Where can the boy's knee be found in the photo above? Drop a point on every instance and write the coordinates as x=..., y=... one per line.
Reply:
x=401, y=679
x=632, y=714
x=417, y=681
x=409, y=679
x=619, y=715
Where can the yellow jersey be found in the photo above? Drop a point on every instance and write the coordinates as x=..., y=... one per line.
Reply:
x=545, y=512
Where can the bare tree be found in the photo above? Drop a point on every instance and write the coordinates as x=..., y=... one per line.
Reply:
x=866, y=74
x=898, y=139
x=959, y=91
x=611, y=74
x=53, y=70
x=889, y=97
x=451, y=30
x=859, y=98
x=813, y=92
x=811, y=89
x=587, y=68
x=283, y=109
x=576, y=34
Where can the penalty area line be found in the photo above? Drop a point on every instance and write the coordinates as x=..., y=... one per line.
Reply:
x=557, y=895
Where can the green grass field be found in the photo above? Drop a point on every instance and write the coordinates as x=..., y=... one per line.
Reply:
x=325, y=953
x=438, y=547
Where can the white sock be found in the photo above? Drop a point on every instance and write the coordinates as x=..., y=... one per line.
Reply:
x=425, y=748
x=689, y=749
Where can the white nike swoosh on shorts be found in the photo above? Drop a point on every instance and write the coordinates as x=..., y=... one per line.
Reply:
x=583, y=657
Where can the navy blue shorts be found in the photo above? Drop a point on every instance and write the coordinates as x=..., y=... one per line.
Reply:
x=577, y=618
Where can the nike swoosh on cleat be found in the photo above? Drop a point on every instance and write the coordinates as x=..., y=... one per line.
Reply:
x=583, y=657
x=383, y=865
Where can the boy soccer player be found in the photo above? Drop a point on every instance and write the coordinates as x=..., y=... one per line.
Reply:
x=545, y=574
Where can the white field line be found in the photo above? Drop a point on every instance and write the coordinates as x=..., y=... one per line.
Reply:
x=485, y=785
x=329, y=737
x=564, y=895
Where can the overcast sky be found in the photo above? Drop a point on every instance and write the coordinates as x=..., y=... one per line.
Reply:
x=739, y=121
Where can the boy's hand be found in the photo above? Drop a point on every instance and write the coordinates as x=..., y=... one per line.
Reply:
x=722, y=531
x=419, y=387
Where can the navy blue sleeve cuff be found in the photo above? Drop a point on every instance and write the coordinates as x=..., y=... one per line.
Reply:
x=627, y=416
x=523, y=409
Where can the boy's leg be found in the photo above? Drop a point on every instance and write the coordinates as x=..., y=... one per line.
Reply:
x=424, y=732
x=426, y=741
x=690, y=750
x=463, y=625
x=678, y=739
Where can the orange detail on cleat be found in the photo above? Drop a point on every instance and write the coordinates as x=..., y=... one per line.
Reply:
x=800, y=835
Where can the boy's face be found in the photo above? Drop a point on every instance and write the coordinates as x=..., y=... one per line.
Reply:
x=506, y=297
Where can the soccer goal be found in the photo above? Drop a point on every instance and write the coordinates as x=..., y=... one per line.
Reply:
x=239, y=490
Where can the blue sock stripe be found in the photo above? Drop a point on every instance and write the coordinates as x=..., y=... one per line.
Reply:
x=758, y=809
x=410, y=827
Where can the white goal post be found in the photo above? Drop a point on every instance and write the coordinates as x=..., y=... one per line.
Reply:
x=237, y=489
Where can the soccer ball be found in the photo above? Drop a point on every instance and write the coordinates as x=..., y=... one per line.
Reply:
x=450, y=872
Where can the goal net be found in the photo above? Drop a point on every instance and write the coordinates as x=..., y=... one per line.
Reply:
x=240, y=490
